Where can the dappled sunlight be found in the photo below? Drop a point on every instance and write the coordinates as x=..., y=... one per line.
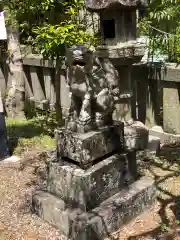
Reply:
x=27, y=135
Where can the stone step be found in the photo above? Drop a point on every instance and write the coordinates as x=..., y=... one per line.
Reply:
x=101, y=221
x=86, y=189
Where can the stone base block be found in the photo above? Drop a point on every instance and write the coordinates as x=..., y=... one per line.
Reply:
x=101, y=221
x=88, y=147
x=154, y=144
x=86, y=189
x=165, y=138
x=136, y=136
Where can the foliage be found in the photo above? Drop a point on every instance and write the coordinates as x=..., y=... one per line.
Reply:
x=49, y=25
x=164, y=227
x=30, y=13
x=46, y=120
x=27, y=135
x=163, y=15
x=52, y=41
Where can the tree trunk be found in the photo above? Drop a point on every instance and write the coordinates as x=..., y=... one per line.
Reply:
x=14, y=103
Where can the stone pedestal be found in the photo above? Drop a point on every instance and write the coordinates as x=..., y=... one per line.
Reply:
x=86, y=189
x=100, y=221
x=85, y=148
x=93, y=186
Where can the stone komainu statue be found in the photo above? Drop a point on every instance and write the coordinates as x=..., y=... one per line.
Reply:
x=94, y=89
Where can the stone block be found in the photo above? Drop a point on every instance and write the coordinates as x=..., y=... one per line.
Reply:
x=171, y=108
x=88, y=147
x=55, y=211
x=122, y=53
x=86, y=189
x=165, y=138
x=101, y=221
x=151, y=151
x=136, y=136
x=153, y=144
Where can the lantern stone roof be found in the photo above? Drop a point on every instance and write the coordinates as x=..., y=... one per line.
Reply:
x=99, y=5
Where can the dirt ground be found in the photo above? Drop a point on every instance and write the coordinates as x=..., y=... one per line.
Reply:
x=19, y=180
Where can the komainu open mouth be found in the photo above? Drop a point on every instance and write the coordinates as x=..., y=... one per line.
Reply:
x=79, y=62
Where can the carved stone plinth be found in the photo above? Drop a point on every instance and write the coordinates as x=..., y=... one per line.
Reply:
x=98, y=222
x=86, y=189
x=87, y=204
x=88, y=147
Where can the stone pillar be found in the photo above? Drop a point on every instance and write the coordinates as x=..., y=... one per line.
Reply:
x=171, y=107
x=123, y=108
x=16, y=96
x=135, y=132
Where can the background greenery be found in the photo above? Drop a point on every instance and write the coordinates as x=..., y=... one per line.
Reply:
x=52, y=25
x=165, y=16
x=49, y=25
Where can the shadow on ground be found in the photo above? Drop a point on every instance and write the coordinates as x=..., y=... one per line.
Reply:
x=17, y=131
x=166, y=173
x=27, y=135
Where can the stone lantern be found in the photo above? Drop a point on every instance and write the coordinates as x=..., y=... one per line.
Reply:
x=118, y=30
x=117, y=22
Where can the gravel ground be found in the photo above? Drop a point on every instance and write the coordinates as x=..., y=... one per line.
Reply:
x=19, y=180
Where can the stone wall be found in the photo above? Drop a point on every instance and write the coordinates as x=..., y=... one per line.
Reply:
x=155, y=90
x=158, y=95
x=40, y=87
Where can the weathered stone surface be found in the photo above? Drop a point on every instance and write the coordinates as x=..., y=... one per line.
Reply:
x=14, y=103
x=15, y=99
x=94, y=88
x=136, y=136
x=85, y=189
x=55, y=211
x=123, y=51
x=166, y=72
x=85, y=148
x=105, y=219
x=171, y=108
x=4, y=150
x=96, y=5
x=165, y=138
x=153, y=144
